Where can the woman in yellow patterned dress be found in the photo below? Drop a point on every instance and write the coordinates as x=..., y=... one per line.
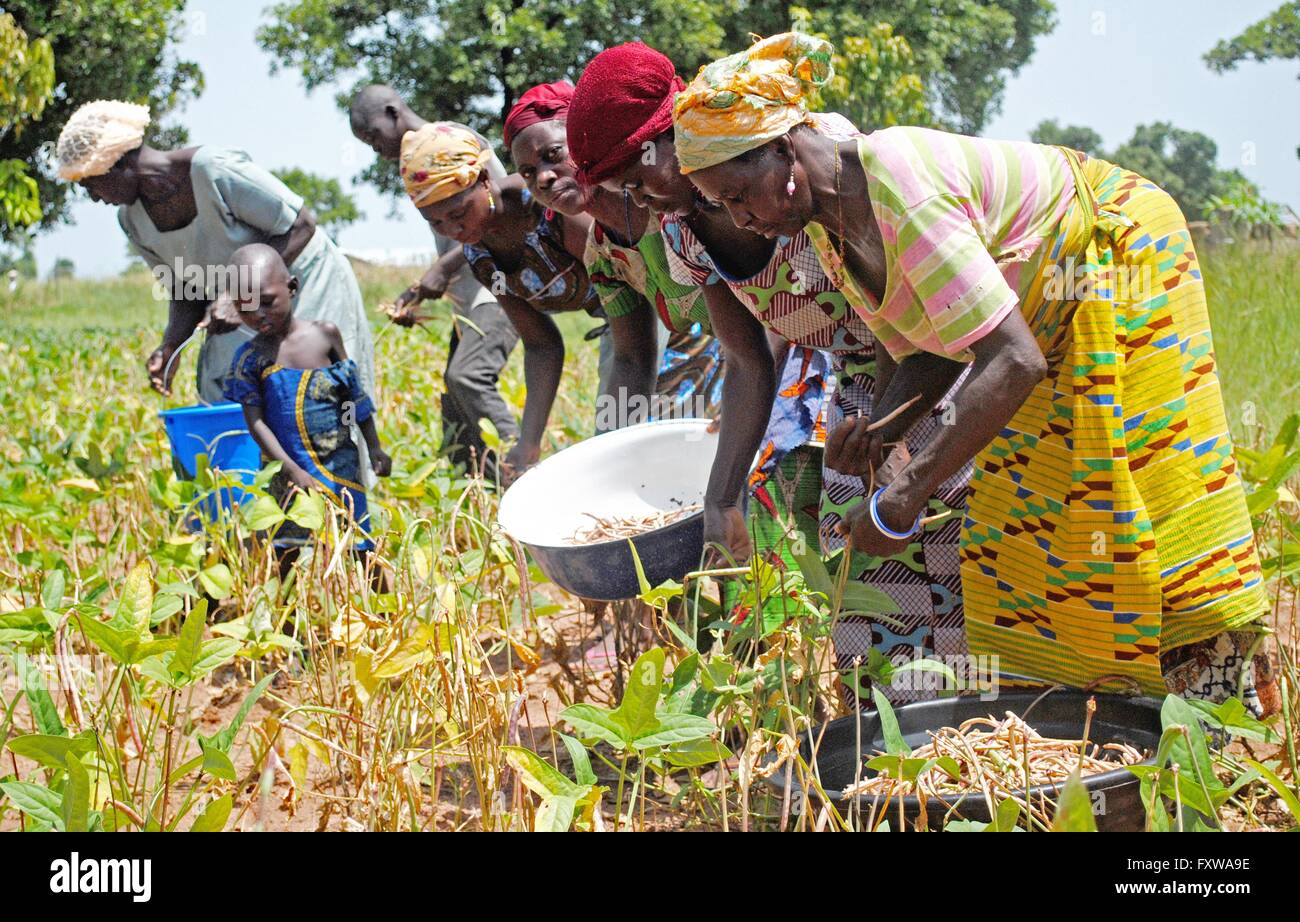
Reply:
x=1107, y=540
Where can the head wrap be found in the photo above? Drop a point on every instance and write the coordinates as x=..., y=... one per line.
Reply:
x=744, y=100
x=623, y=99
x=439, y=160
x=97, y=136
x=540, y=104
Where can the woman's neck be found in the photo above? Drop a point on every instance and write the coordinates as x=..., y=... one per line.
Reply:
x=834, y=175
x=618, y=215
x=162, y=173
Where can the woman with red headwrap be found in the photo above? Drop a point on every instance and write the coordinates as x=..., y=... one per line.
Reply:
x=626, y=262
x=620, y=133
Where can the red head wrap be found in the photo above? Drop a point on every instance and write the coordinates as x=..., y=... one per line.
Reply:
x=542, y=103
x=623, y=99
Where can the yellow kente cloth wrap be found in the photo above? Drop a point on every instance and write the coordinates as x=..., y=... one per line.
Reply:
x=744, y=100
x=440, y=160
x=1106, y=521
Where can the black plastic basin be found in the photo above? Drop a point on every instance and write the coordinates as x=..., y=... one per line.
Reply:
x=1116, y=802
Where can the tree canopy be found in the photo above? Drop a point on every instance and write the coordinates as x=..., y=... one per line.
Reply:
x=1183, y=163
x=1275, y=37
x=26, y=87
x=102, y=49
x=941, y=62
x=334, y=209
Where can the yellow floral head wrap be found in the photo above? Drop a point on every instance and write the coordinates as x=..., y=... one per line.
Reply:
x=744, y=100
x=97, y=136
x=440, y=160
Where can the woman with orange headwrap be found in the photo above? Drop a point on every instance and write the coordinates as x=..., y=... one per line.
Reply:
x=530, y=260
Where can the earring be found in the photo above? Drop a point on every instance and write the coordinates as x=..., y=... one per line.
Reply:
x=789, y=186
x=492, y=204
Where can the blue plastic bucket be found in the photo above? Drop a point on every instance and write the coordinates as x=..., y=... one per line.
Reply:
x=218, y=431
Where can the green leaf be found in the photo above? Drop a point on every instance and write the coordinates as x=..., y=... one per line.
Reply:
x=217, y=764
x=136, y=601
x=76, y=796
x=308, y=511
x=1261, y=500
x=214, y=815
x=52, y=590
x=1074, y=807
x=37, y=801
x=44, y=713
x=815, y=575
x=593, y=722
x=695, y=753
x=555, y=814
x=120, y=644
x=51, y=751
x=894, y=742
x=213, y=653
x=1233, y=718
x=226, y=738
x=1284, y=793
x=538, y=775
x=264, y=477
x=674, y=729
x=262, y=514
x=636, y=712
x=216, y=580
x=869, y=599
x=578, y=756
x=1008, y=814
x=1190, y=751
x=191, y=640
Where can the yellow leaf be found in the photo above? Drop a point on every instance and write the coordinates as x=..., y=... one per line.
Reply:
x=80, y=483
x=414, y=650
x=364, y=682
x=298, y=757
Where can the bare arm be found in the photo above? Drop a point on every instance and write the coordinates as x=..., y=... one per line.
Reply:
x=543, y=366
x=431, y=286
x=633, y=372
x=183, y=318
x=852, y=448
x=748, y=391
x=1008, y=365
x=291, y=243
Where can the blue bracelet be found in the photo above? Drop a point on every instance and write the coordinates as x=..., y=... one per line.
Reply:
x=885, y=529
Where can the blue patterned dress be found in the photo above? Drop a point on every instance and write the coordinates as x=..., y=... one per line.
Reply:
x=309, y=411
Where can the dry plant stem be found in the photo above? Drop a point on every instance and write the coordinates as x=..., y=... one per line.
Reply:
x=892, y=415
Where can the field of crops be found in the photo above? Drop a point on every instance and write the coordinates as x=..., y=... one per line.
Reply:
x=154, y=678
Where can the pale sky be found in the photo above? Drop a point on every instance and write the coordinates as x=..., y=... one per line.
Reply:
x=1110, y=66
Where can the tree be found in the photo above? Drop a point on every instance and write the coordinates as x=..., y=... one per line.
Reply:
x=1183, y=163
x=1276, y=36
x=875, y=83
x=26, y=87
x=1180, y=162
x=103, y=49
x=63, y=268
x=334, y=209
x=1076, y=137
x=469, y=60
x=963, y=51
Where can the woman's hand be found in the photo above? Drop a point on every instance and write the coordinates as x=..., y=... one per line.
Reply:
x=299, y=477
x=380, y=462
x=896, y=510
x=852, y=450
x=517, y=460
x=161, y=369
x=724, y=527
x=222, y=317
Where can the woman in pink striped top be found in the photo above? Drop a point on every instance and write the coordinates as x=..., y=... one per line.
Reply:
x=1107, y=537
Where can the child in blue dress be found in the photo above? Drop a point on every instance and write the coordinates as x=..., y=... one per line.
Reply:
x=301, y=395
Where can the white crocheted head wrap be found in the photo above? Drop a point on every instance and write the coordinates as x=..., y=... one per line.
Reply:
x=97, y=136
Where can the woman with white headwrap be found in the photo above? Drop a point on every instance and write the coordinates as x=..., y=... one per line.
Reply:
x=185, y=212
